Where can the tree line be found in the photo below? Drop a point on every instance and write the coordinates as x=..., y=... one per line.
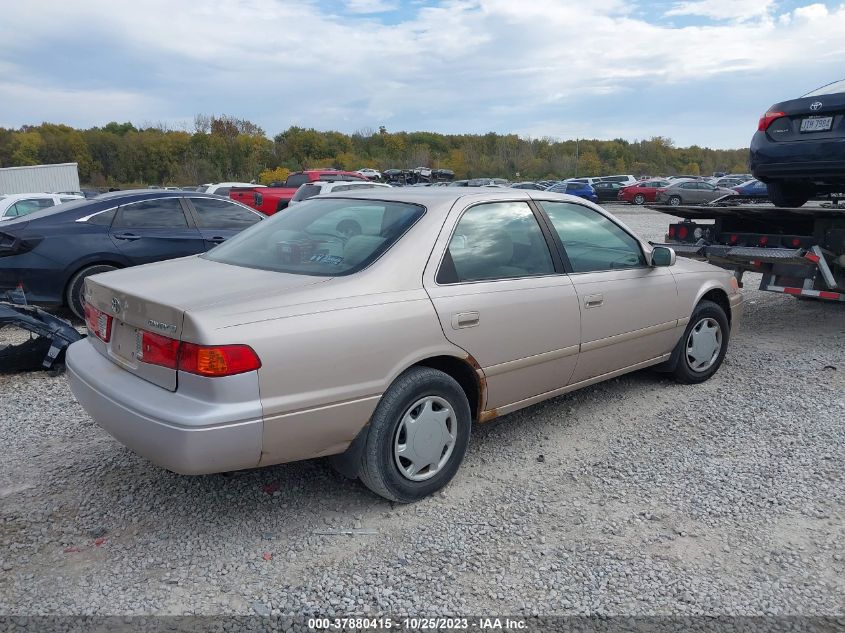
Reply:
x=221, y=148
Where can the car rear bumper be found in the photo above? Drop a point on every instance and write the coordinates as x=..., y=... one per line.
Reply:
x=822, y=159
x=188, y=434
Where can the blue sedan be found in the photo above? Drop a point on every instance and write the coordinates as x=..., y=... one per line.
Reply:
x=753, y=189
x=575, y=188
x=48, y=254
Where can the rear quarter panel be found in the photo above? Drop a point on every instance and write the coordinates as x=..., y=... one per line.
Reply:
x=324, y=371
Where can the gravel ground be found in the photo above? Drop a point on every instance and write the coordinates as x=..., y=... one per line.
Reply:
x=636, y=496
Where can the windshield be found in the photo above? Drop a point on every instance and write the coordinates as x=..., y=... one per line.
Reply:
x=328, y=236
x=829, y=89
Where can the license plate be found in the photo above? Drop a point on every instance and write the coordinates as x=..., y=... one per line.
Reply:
x=817, y=124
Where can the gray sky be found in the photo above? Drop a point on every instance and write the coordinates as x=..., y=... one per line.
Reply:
x=697, y=71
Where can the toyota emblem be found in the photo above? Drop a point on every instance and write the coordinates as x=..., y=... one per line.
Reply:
x=816, y=106
x=115, y=304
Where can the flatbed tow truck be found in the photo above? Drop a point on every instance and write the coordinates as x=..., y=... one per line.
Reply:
x=799, y=251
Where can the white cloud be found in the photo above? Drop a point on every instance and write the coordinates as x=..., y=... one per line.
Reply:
x=460, y=65
x=739, y=10
x=811, y=12
x=371, y=6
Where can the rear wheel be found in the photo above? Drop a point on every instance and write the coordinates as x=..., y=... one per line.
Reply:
x=675, y=201
x=783, y=194
x=418, y=436
x=702, y=348
x=639, y=199
x=74, y=297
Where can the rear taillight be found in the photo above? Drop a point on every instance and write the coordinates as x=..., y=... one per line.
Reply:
x=158, y=350
x=767, y=119
x=203, y=360
x=98, y=323
x=682, y=232
x=217, y=361
x=671, y=230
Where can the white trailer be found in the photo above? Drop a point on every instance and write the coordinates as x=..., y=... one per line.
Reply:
x=39, y=178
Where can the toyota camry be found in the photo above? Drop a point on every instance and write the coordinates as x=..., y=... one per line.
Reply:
x=378, y=326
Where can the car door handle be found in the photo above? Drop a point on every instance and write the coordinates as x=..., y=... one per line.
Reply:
x=464, y=319
x=216, y=240
x=127, y=236
x=593, y=301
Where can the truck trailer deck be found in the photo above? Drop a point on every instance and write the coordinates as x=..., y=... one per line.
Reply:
x=799, y=251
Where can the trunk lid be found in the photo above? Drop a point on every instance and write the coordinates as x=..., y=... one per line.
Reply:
x=814, y=114
x=154, y=298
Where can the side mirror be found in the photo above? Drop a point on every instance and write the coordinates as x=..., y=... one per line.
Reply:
x=662, y=256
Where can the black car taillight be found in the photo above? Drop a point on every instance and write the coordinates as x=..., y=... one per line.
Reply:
x=767, y=119
x=258, y=199
x=14, y=245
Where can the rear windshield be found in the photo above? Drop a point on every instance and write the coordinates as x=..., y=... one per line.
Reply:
x=829, y=89
x=294, y=180
x=305, y=192
x=320, y=236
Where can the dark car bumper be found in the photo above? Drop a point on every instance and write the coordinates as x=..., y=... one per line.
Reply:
x=41, y=286
x=821, y=160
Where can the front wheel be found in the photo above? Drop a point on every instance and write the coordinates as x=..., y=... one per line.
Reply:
x=702, y=348
x=418, y=436
x=675, y=201
x=639, y=199
x=75, y=297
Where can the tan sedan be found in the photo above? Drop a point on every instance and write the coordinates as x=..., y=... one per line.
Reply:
x=377, y=326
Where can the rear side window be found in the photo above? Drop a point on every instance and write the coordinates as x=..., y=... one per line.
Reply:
x=103, y=218
x=499, y=240
x=591, y=241
x=220, y=214
x=222, y=191
x=165, y=213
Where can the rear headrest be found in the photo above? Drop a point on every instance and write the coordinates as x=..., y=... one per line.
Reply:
x=359, y=247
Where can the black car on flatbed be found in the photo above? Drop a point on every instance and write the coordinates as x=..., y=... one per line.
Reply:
x=799, y=147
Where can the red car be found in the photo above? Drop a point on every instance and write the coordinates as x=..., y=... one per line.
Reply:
x=641, y=192
x=270, y=200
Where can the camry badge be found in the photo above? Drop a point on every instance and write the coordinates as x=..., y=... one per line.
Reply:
x=816, y=106
x=115, y=305
x=163, y=327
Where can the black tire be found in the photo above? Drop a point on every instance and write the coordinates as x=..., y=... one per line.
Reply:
x=378, y=469
x=639, y=199
x=784, y=194
x=675, y=201
x=683, y=371
x=76, y=287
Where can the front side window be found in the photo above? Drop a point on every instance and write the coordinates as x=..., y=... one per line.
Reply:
x=498, y=240
x=591, y=241
x=321, y=236
x=165, y=213
x=223, y=214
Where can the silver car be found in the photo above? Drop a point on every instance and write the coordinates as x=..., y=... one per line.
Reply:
x=691, y=192
x=377, y=326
